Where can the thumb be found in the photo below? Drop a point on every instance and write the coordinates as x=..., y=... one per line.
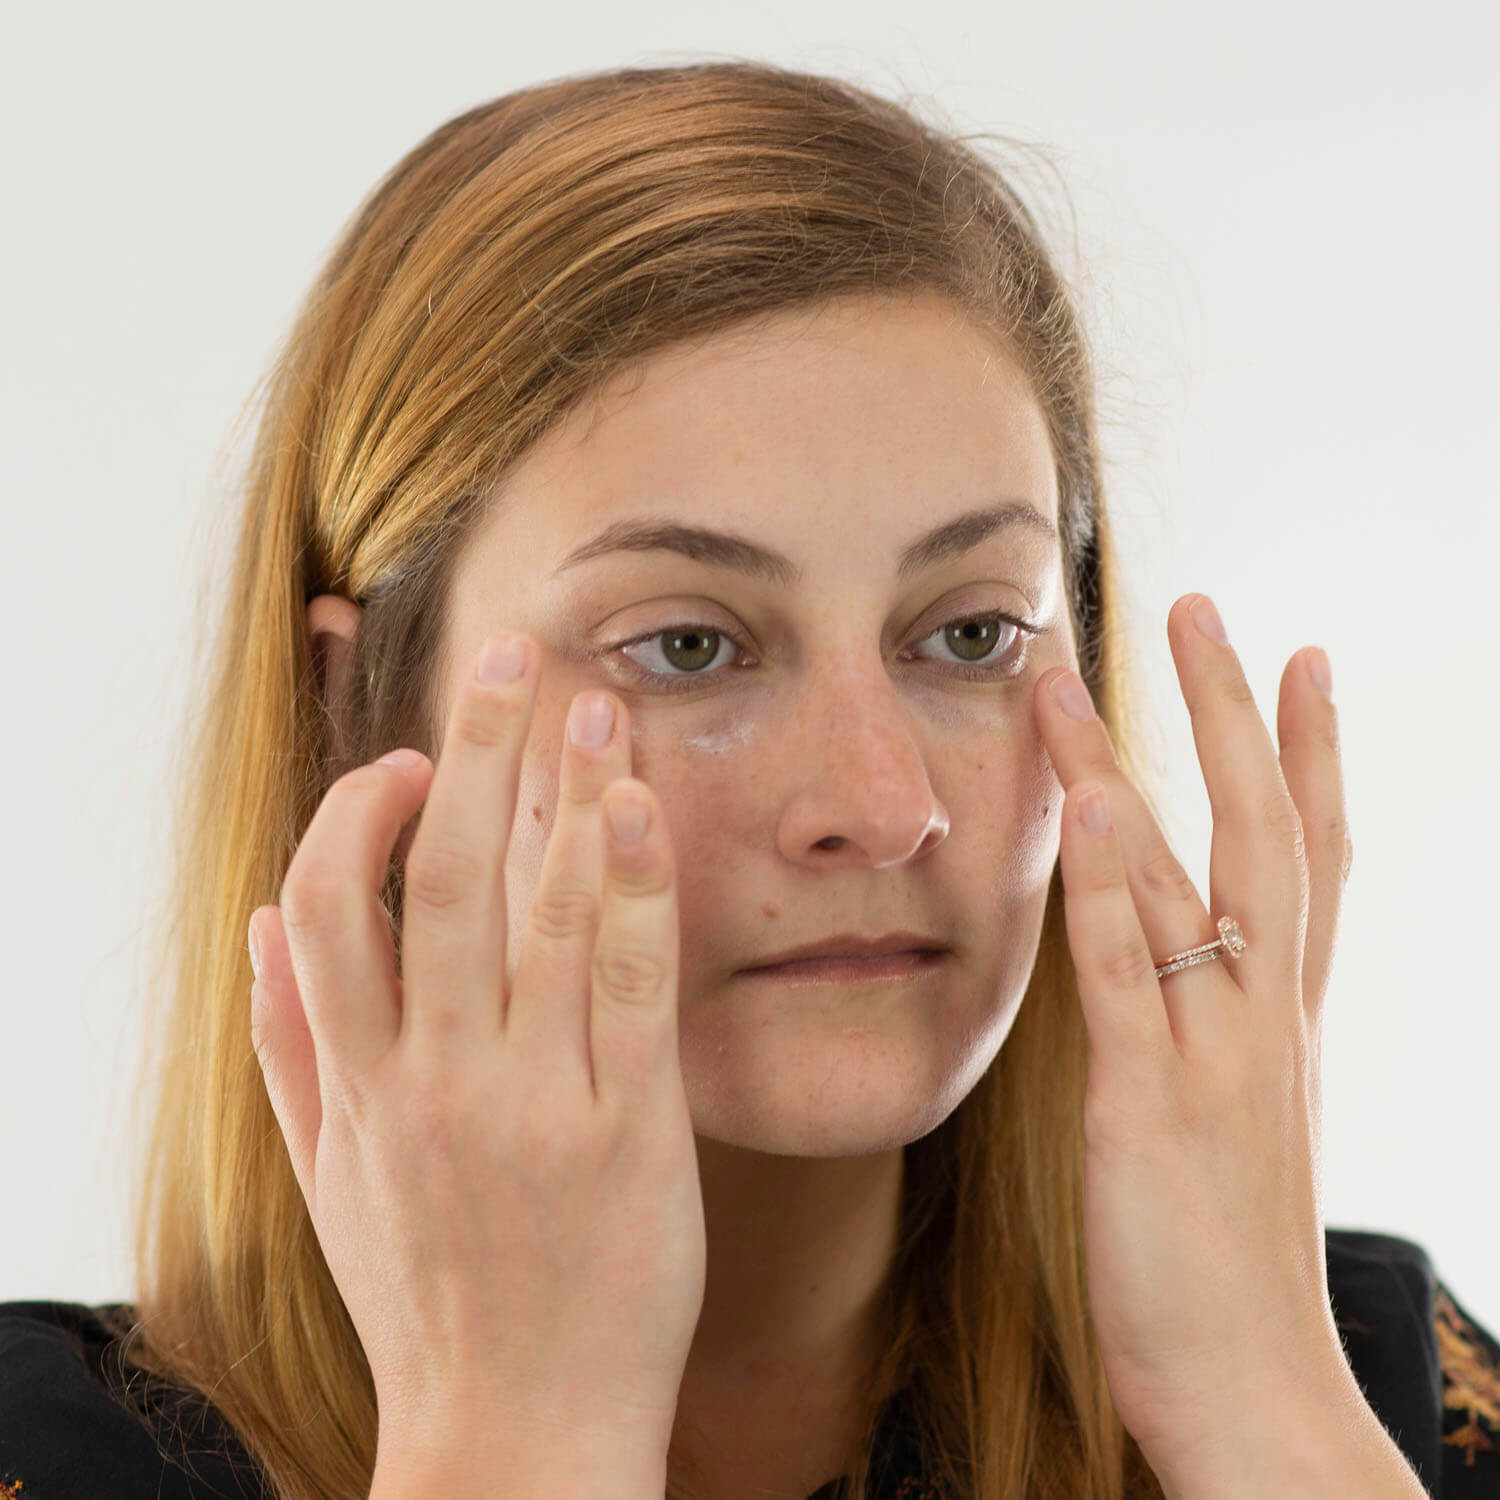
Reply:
x=283, y=1045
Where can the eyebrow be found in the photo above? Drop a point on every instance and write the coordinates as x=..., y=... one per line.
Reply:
x=727, y=549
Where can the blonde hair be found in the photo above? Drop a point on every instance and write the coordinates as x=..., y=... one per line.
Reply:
x=525, y=252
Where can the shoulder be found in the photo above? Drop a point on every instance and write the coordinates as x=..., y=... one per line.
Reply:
x=70, y=1419
x=1429, y=1370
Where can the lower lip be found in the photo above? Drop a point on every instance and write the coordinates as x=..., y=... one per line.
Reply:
x=888, y=968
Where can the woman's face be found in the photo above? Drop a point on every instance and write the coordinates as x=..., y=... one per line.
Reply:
x=828, y=754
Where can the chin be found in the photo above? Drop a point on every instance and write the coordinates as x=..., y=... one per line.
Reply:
x=869, y=1100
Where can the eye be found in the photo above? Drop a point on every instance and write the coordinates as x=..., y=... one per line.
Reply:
x=973, y=638
x=694, y=648
x=691, y=647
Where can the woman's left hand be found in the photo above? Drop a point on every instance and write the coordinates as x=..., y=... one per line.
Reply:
x=1203, y=1212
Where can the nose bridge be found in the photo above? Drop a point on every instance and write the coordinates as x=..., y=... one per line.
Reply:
x=863, y=779
x=851, y=699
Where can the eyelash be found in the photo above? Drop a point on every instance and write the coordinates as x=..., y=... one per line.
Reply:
x=674, y=682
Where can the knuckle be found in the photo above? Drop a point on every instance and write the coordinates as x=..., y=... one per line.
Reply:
x=629, y=973
x=312, y=888
x=1238, y=690
x=481, y=718
x=1128, y=967
x=1162, y=875
x=563, y=912
x=579, y=791
x=1335, y=837
x=650, y=879
x=315, y=885
x=264, y=1037
x=1283, y=822
x=442, y=875
x=310, y=897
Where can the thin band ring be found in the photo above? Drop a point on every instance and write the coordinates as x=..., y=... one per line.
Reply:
x=1230, y=941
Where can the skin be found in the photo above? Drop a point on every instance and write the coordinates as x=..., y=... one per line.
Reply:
x=829, y=770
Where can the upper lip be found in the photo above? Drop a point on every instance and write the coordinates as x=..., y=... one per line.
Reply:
x=852, y=945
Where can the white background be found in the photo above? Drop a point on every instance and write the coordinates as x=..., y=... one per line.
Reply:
x=1287, y=219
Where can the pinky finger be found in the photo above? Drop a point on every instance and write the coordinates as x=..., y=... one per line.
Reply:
x=1117, y=986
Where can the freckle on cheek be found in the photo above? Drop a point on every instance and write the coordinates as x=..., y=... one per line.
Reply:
x=771, y=909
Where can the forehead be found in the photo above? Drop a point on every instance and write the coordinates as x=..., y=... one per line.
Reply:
x=834, y=434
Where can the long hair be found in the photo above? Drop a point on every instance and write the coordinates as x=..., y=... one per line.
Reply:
x=521, y=255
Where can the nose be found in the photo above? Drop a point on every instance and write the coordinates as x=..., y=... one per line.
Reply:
x=863, y=796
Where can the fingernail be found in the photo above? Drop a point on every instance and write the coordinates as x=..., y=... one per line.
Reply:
x=254, y=951
x=1318, y=669
x=1073, y=696
x=1206, y=618
x=590, y=719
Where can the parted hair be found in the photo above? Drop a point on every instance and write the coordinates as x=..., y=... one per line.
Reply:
x=521, y=255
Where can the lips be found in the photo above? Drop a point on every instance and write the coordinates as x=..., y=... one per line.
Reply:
x=851, y=946
x=882, y=970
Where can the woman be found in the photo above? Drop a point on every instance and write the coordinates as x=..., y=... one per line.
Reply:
x=753, y=408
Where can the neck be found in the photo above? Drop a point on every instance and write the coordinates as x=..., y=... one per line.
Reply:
x=798, y=1253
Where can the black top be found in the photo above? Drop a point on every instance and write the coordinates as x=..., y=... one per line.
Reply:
x=69, y=1431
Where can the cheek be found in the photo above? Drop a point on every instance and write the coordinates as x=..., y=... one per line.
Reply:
x=712, y=784
x=536, y=810
x=989, y=768
x=1022, y=824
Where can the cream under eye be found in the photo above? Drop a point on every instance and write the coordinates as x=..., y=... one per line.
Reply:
x=698, y=640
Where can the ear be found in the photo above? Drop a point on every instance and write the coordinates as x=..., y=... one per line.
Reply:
x=332, y=623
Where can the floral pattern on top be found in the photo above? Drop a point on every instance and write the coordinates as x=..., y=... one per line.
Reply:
x=1471, y=1382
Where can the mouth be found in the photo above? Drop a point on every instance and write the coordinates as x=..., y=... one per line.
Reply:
x=909, y=964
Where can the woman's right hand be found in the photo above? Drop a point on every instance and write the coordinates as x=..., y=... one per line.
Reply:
x=504, y=1184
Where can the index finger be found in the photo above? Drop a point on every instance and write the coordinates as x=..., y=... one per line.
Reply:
x=453, y=934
